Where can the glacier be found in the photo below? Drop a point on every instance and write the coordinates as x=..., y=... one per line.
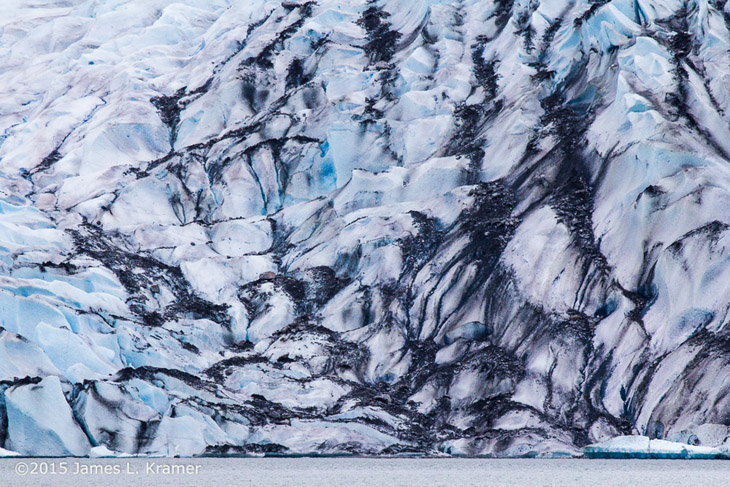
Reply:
x=372, y=227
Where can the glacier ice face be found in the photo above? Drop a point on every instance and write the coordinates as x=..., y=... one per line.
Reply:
x=476, y=228
x=40, y=421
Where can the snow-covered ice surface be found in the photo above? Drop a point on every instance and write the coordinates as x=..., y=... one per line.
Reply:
x=470, y=227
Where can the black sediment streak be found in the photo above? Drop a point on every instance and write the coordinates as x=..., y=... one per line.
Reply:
x=382, y=41
x=139, y=273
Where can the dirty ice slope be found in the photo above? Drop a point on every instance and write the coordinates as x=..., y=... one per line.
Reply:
x=472, y=227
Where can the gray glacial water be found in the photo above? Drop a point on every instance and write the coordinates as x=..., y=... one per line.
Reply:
x=356, y=472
